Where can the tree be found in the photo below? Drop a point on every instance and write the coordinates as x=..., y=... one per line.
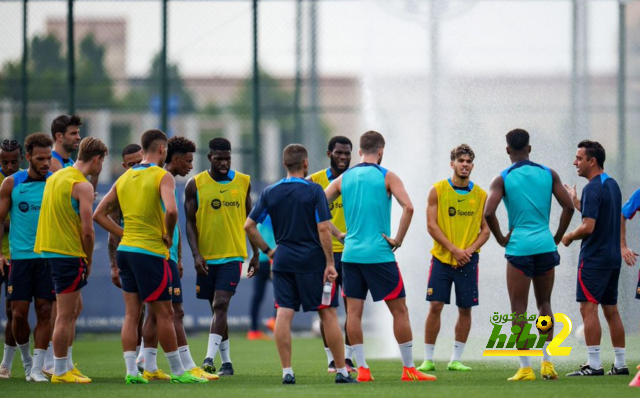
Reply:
x=94, y=85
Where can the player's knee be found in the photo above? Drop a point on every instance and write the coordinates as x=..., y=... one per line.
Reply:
x=178, y=313
x=221, y=304
x=400, y=311
x=464, y=313
x=43, y=313
x=436, y=308
x=20, y=314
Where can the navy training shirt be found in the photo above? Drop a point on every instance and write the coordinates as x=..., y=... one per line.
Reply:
x=295, y=206
x=602, y=201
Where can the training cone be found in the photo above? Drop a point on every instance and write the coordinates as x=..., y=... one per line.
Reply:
x=636, y=381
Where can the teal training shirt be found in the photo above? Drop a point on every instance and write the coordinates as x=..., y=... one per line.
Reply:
x=26, y=199
x=528, y=188
x=173, y=251
x=266, y=230
x=367, y=212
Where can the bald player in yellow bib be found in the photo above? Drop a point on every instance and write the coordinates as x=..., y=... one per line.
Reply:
x=65, y=238
x=458, y=229
x=146, y=196
x=339, y=154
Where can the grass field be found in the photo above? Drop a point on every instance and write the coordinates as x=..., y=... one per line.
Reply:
x=258, y=374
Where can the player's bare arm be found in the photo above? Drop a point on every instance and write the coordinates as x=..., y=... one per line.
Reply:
x=396, y=188
x=254, y=262
x=108, y=206
x=628, y=254
x=573, y=193
x=83, y=193
x=5, y=205
x=482, y=238
x=334, y=190
x=461, y=256
x=167, y=193
x=566, y=202
x=190, y=209
x=324, y=231
x=582, y=232
x=180, y=267
x=251, y=228
x=496, y=192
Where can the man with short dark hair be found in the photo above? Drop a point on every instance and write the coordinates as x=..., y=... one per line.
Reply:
x=217, y=202
x=600, y=257
x=303, y=264
x=531, y=251
x=65, y=131
x=368, y=262
x=10, y=159
x=339, y=154
x=30, y=277
x=455, y=222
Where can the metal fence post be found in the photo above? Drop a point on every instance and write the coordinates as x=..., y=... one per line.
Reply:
x=164, y=83
x=622, y=81
x=255, y=99
x=25, y=76
x=71, y=58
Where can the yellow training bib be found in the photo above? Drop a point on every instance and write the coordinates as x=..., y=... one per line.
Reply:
x=142, y=209
x=221, y=215
x=337, y=212
x=59, y=226
x=5, y=238
x=459, y=217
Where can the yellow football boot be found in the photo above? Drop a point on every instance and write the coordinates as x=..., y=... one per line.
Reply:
x=197, y=372
x=69, y=378
x=76, y=372
x=523, y=374
x=157, y=375
x=548, y=372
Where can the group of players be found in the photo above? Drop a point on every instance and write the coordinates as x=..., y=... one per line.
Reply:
x=332, y=229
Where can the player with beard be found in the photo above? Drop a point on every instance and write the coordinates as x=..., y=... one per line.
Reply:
x=455, y=222
x=339, y=154
x=10, y=159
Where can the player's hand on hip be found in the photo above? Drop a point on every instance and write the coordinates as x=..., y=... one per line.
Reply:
x=392, y=242
x=272, y=253
x=629, y=256
x=88, y=271
x=330, y=273
x=505, y=240
x=341, y=237
x=115, y=276
x=254, y=267
x=168, y=240
x=201, y=264
x=566, y=240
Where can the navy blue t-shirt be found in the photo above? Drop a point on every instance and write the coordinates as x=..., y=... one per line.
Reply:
x=296, y=206
x=602, y=201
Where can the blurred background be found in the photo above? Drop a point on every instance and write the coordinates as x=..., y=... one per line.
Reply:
x=428, y=74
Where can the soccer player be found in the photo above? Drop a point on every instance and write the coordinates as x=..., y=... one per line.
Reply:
x=217, y=202
x=368, y=261
x=260, y=280
x=600, y=257
x=30, y=276
x=455, y=222
x=10, y=159
x=65, y=238
x=531, y=251
x=339, y=154
x=302, y=260
x=146, y=197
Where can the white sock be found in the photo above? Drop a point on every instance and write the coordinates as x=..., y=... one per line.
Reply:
x=329, y=354
x=348, y=352
x=545, y=356
x=141, y=352
x=25, y=352
x=343, y=371
x=620, y=361
x=458, y=348
x=59, y=366
x=137, y=351
x=48, y=358
x=593, y=352
x=429, y=349
x=406, y=352
x=358, y=353
x=151, y=359
x=38, y=360
x=214, y=345
x=185, y=357
x=7, y=358
x=225, y=353
x=287, y=371
x=130, y=361
x=525, y=362
x=70, y=365
x=175, y=363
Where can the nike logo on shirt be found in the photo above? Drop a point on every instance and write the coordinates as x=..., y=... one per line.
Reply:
x=224, y=191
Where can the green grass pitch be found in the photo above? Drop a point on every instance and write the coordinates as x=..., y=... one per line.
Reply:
x=258, y=375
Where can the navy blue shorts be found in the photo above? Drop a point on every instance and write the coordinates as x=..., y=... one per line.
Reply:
x=535, y=264
x=383, y=280
x=148, y=275
x=337, y=259
x=176, y=283
x=598, y=286
x=221, y=277
x=465, y=279
x=30, y=279
x=291, y=290
x=69, y=274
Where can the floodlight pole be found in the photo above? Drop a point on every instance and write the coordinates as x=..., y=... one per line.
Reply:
x=25, y=76
x=255, y=99
x=164, y=78
x=622, y=100
x=71, y=59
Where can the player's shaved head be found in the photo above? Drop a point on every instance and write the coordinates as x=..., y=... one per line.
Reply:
x=371, y=142
x=151, y=139
x=518, y=139
x=294, y=156
x=130, y=149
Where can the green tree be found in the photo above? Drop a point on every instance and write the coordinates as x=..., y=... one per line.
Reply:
x=94, y=85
